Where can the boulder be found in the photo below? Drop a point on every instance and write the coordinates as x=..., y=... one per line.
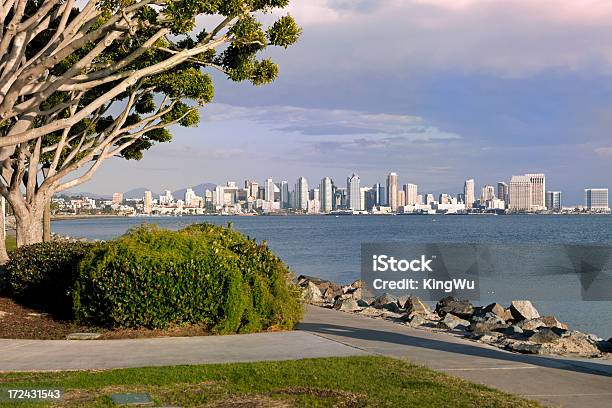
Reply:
x=311, y=293
x=544, y=335
x=415, y=305
x=498, y=310
x=531, y=324
x=551, y=321
x=358, y=284
x=392, y=307
x=513, y=330
x=486, y=327
x=416, y=320
x=452, y=322
x=384, y=299
x=487, y=318
x=362, y=303
x=523, y=310
x=459, y=308
x=346, y=305
x=604, y=346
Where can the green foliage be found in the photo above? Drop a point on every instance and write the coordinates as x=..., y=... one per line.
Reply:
x=202, y=274
x=284, y=32
x=43, y=275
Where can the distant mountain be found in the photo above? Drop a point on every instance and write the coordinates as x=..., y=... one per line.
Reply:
x=138, y=193
x=85, y=194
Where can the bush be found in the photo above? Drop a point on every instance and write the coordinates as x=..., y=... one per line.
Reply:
x=43, y=275
x=206, y=274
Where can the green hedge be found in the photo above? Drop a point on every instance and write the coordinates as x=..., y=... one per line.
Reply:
x=43, y=275
x=152, y=277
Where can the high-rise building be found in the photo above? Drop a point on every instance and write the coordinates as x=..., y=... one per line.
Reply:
x=468, y=191
x=353, y=192
x=444, y=199
x=487, y=194
x=410, y=190
x=538, y=191
x=117, y=198
x=284, y=194
x=429, y=199
x=148, y=202
x=401, y=198
x=520, y=194
x=166, y=198
x=392, y=191
x=553, y=200
x=191, y=198
x=364, y=192
x=301, y=194
x=269, y=190
x=596, y=199
x=503, y=191
x=326, y=195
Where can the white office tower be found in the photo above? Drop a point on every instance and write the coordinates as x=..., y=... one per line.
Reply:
x=353, y=192
x=392, y=191
x=410, y=190
x=269, y=190
x=429, y=199
x=596, y=199
x=148, y=202
x=468, y=192
x=487, y=194
x=553, y=200
x=301, y=194
x=520, y=193
x=326, y=195
x=538, y=191
x=503, y=191
x=284, y=194
x=166, y=198
x=363, y=193
x=190, y=198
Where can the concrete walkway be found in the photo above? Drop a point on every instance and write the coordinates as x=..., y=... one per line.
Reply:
x=553, y=381
x=325, y=333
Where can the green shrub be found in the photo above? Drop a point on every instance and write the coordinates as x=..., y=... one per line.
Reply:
x=206, y=274
x=43, y=275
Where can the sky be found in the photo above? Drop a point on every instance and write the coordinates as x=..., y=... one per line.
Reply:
x=438, y=91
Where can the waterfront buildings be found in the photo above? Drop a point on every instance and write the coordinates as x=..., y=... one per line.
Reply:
x=553, y=200
x=326, y=194
x=503, y=191
x=301, y=194
x=117, y=198
x=468, y=191
x=147, y=202
x=392, y=191
x=410, y=190
x=487, y=194
x=538, y=191
x=269, y=190
x=596, y=199
x=520, y=194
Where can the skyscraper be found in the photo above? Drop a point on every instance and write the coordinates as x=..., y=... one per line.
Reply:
x=468, y=191
x=301, y=194
x=411, y=194
x=353, y=192
x=392, y=190
x=596, y=199
x=503, y=191
x=553, y=200
x=269, y=190
x=148, y=202
x=326, y=195
x=538, y=191
x=520, y=193
x=284, y=194
x=487, y=193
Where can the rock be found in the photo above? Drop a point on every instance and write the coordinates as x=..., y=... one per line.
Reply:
x=415, y=305
x=372, y=312
x=416, y=320
x=384, y=299
x=346, y=305
x=362, y=303
x=83, y=336
x=544, y=335
x=312, y=294
x=452, y=322
x=392, y=307
x=523, y=310
x=459, y=308
x=531, y=324
x=361, y=293
x=522, y=346
x=358, y=284
x=487, y=318
x=604, y=346
x=498, y=310
x=551, y=321
x=510, y=330
x=486, y=327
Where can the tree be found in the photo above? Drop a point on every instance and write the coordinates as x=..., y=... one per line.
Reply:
x=79, y=85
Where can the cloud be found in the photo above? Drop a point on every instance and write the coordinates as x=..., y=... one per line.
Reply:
x=604, y=151
x=512, y=38
x=330, y=122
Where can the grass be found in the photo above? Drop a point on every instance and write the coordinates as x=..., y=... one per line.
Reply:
x=11, y=243
x=325, y=382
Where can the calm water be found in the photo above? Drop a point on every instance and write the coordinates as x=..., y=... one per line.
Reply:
x=329, y=247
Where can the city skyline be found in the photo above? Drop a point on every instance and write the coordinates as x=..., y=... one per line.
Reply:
x=450, y=100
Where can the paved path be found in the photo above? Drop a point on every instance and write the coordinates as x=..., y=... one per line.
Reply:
x=325, y=333
x=553, y=381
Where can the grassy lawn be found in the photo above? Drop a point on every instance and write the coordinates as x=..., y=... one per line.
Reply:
x=327, y=382
x=10, y=242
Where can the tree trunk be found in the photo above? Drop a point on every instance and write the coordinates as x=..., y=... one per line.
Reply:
x=29, y=228
x=3, y=254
